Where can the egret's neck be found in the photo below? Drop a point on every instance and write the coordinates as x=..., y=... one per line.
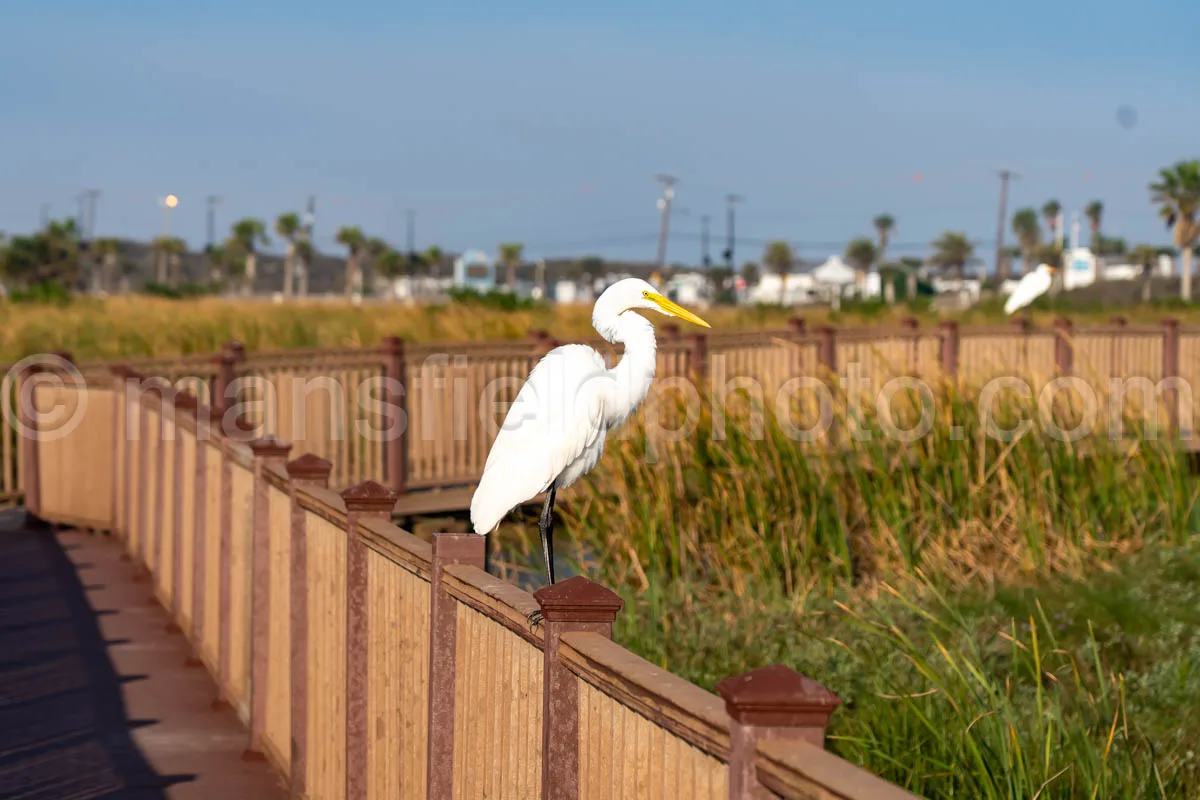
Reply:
x=634, y=373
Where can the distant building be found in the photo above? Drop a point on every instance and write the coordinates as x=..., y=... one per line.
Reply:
x=474, y=269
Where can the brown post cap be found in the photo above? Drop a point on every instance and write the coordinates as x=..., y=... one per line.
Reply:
x=670, y=330
x=309, y=467
x=910, y=323
x=777, y=696
x=1063, y=323
x=65, y=355
x=1117, y=320
x=391, y=345
x=578, y=600
x=121, y=371
x=270, y=447
x=1170, y=323
x=1021, y=324
x=185, y=400
x=235, y=348
x=948, y=324
x=797, y=324
x=369, y=498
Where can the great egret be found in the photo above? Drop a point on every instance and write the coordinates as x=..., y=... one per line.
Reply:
x=555, y=430
x=1029, y=288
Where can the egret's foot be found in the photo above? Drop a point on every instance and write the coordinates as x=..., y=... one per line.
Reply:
x=534, y=619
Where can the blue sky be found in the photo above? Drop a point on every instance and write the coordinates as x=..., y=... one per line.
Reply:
x=545, y=122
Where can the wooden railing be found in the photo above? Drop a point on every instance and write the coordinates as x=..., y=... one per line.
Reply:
x=339, y=404
x=367, y=663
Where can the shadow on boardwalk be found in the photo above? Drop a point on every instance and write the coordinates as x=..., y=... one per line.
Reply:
x=94, y=699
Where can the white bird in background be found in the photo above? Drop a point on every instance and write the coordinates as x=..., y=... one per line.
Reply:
x=1029, y=288
x=555, y=430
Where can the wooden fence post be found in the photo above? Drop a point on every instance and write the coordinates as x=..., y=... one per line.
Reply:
x=27, y=418
x=699, y=359
x=366, y=500
x=1170, y=369
x=1021, y=327
x=204, y=417
x=575, y=604
x=307, y=470
x=269, y=451
x=949, y=354
x=774, y=702
x=225, y=361
x=224, y=565
x=165, y=401
x=1064, y=350
x=827, y=349
x=183, y=405
x=396, y=444
x=448, y=548
x=910, y=326
x=118, y=453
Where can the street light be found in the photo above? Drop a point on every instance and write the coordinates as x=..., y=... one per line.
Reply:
x=169, y=202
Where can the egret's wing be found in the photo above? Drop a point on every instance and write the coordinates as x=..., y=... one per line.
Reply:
x=1022, y=295
x=556, y=416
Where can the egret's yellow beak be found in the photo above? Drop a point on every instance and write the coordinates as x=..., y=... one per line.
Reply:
x=674, y=309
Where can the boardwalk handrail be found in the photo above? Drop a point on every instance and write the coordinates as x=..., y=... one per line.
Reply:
x=318, y=398
x=366, y=662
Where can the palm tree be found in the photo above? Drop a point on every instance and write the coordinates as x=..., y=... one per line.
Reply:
x=1095, y=215
x=1177, y=195
x=1144, y=256
x=778, y=258
x=1050, y=212
x=884, y=225
x=166, y=251
x=288, y=228
x=392, y=264
x=304, y=260
x=433, y=256
x=953, y=251
x=861, y=254
x=1029, y=234
x=374, y=248
x=218, y=259
x=354, y=241
x=107, y=250
x=510, y=256
x=248, y=234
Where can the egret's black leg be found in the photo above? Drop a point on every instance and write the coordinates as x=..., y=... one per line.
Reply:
x=546, y=529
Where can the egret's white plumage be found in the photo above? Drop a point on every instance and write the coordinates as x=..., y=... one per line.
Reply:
x=555, y=430
x=1029, y=288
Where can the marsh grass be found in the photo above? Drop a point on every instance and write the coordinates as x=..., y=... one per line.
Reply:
x=1003, y=619
x=143, y=325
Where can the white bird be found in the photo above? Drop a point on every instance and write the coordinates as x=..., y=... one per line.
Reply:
x=555, y=430
x=1029, y=288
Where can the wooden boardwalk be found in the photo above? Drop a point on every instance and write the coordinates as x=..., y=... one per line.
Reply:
x=95, y=697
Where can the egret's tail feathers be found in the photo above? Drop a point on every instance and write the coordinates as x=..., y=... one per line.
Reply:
x=489, y=504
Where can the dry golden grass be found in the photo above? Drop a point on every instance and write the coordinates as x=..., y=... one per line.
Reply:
x=141, y=325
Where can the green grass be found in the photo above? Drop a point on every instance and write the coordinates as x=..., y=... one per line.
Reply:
x=1002, y=619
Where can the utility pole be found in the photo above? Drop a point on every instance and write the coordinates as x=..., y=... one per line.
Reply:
x=80, y=198
x=45, y=215
x=731, y=200
x=212, y=200
x=411, y=215
x=664, y=208
x=1005, y=176
x=89, y=230
x=704, y=259
x=310, y=219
